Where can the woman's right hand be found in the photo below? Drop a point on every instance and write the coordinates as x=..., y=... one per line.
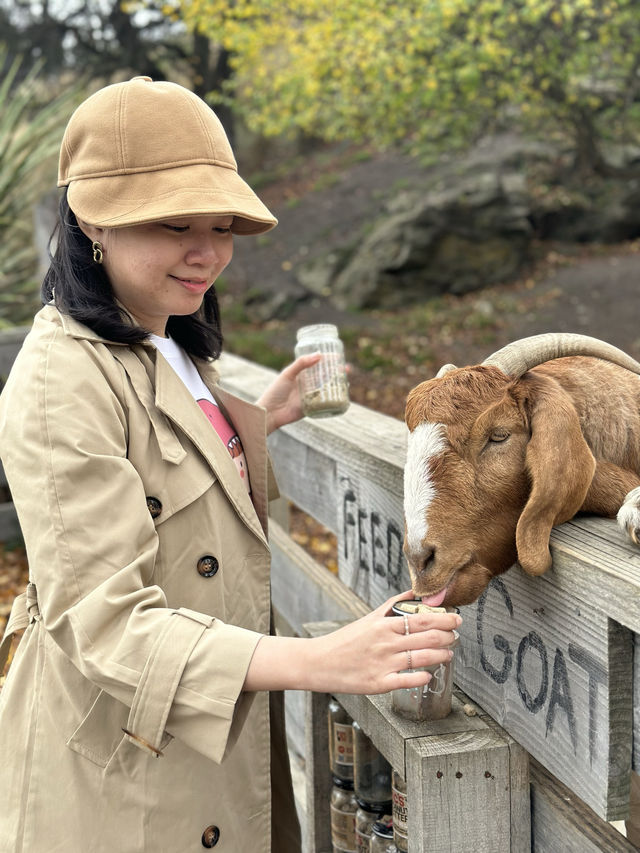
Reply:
x=365, y=656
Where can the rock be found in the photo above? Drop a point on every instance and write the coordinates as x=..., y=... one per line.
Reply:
x=468, y=233
x=601, y=211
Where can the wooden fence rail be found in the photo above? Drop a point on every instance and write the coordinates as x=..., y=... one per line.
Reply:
x=550, y=660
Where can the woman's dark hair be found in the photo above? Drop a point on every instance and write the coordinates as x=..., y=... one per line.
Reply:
x=80, y=288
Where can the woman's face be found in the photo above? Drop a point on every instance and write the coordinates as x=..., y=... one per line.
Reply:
x=164, y=268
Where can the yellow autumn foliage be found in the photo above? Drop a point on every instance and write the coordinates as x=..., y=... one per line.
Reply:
x=426, y=72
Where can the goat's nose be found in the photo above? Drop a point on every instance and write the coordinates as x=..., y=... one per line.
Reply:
x=423, y=559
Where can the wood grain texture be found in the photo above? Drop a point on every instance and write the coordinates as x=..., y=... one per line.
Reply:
x=557, y=675
x=562, y=823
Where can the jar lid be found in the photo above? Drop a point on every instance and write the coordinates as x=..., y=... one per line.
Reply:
x=317, y=329
x=383, y=828
x=347, y=784
x=380, y=809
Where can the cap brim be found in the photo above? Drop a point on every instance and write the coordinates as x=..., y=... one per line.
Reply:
x=201, y=189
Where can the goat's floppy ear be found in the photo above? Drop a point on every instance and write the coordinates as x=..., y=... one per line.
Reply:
x=560, y=466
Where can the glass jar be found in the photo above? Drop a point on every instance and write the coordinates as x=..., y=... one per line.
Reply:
x=399, y=810
x=366, y=816
x=433, y=701
x=382, y=837
x=323, y=387
x=340, y=741
x=343, y=808
x=371, y=771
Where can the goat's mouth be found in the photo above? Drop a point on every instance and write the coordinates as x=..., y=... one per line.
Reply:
x=454, y=591
x=436, y=599
x=464, y=586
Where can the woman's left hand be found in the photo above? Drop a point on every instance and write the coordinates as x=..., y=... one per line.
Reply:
x=282, y=399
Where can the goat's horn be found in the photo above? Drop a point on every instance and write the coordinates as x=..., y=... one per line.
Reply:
x=445, y=369
x=516, y=358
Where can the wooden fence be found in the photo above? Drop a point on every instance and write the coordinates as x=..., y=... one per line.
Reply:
x=548, y=661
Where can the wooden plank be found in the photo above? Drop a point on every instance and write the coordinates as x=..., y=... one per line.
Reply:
x=314, y=492
x=562, y=823
x=594, y=561
x=370, y=535
x=305, y=591
x=389, y=732
x=636, y=702
x=295, y=707
x=557, y=675
x=458, y=793
x=519, y=788
x=299, y=780
x=391, y=735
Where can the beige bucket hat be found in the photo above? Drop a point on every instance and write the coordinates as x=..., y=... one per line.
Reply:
x=140, y=151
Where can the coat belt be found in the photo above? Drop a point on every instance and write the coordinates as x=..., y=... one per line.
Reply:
x=24, y=611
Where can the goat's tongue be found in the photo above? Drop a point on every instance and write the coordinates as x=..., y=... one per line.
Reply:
x=435, y=600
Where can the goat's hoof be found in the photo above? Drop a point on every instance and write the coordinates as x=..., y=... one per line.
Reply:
x=629, y=515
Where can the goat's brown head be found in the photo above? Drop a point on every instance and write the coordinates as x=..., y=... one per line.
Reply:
x=495, y=458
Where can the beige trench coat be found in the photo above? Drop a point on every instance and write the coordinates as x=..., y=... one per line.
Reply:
x=122, y=723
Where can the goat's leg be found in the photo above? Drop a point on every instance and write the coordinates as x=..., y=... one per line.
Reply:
x=615, y=492
x=629, y=515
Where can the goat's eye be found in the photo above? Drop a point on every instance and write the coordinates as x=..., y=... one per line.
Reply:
x=499, y=434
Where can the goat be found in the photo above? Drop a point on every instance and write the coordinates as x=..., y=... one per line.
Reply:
x=499, y=453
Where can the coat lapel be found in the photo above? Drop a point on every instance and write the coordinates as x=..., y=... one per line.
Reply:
x=147, y=368
x=174, y=400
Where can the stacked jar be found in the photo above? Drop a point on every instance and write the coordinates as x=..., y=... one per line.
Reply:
x=323, y=387
x=343, y=799
x=340, y=741
x=343, y=808
x=372, y=783
x=400, y=812
x=382, y=837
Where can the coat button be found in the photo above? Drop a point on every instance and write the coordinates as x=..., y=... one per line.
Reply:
x=207, y=566
x=154, y=506
x=210, y=836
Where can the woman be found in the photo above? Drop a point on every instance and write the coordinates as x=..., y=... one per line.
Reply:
x=136, y=715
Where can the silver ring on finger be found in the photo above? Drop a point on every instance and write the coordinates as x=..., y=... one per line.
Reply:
x=406, y=624
x=409, y=665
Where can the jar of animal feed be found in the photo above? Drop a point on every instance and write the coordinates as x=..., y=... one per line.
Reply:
x=399, y=811
x=323, y=387
x=343, y=808
x=433, y=701
x=340, y=741
x=382, y=837
x=371, y=772
x=366, y=816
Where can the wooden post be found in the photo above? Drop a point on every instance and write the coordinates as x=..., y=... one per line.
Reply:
x=318, y=775
x=467, y=780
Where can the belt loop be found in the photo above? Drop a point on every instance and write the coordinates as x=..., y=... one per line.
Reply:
x=32, y=603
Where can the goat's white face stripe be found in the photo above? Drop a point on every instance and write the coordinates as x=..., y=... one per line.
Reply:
x=426, y=441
